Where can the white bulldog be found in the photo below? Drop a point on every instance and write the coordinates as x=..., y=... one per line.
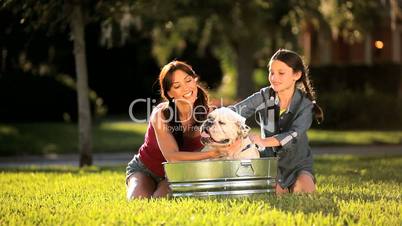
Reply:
x=225, y=127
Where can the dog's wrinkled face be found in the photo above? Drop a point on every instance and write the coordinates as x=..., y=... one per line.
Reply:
x=222, y=127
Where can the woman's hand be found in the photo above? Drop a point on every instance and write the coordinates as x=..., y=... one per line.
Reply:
x=219, y=152
x=224, y=150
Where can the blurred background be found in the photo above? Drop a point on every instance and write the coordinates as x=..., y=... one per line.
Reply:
x=353, y=49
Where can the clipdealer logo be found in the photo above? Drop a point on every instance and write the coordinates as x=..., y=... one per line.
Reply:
x=150, y=104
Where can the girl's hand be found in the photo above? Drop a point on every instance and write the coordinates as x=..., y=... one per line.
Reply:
x=256, y=139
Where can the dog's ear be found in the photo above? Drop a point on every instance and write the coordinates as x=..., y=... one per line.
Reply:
x=244, y=130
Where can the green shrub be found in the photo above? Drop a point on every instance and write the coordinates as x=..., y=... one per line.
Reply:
x=359, y=97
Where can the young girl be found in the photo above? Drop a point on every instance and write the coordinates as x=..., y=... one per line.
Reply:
x=285, y=112
x=172, y=134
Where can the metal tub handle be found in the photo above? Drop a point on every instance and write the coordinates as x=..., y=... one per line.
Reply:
x=245, y=169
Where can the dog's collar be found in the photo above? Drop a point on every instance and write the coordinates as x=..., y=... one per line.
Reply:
x=248, y=146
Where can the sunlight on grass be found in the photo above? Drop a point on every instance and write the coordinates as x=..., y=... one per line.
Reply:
x=46, y=138
x=119, y=136
x=124, y=126
x=355, y=137
x=8, y=130
x=126, y=136
x=351, y=191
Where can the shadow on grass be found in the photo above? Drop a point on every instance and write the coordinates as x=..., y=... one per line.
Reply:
x=308, y=204
x=318, y=203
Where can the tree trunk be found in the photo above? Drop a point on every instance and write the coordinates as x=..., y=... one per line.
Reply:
x=84, y=113
x=368, y=50
x=245, y=67
x=3, y=55
x=323, y=53
x=307, y=39
x=399, y=97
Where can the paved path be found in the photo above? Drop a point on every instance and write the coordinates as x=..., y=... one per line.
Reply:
x=108, y=159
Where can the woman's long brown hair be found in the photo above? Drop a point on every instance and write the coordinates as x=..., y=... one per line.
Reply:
x=165, y=82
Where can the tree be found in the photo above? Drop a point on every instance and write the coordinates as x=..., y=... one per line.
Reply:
x=55, y=16
x=247, y=32
x=354, y=21
x=77, y=25
x=251, y=30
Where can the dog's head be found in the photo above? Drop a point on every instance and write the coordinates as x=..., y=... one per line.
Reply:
x=222, y=127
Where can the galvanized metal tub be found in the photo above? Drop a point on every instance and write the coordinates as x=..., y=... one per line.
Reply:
x=222, y=177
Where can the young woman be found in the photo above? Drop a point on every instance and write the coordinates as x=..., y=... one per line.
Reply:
x=172, y=134
x=285, y=111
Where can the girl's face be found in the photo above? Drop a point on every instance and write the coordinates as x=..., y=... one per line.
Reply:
x=281, y=76
x=184, y=87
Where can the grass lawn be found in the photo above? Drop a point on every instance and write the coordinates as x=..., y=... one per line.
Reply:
x=109, y=136
x=351, y=191
x=45, y=138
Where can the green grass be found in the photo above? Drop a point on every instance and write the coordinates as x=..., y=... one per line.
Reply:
x=45, y=138
x=109, y=136
x=351, y=191
x=328, y=137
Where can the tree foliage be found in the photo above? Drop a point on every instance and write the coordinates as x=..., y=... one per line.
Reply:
x=352, y=19
x=239, y=32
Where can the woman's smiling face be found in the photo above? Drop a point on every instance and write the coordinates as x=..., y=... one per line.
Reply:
x=281, y=76
x=184, y=87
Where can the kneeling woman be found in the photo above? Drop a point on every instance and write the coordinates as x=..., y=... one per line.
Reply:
x=172, y=134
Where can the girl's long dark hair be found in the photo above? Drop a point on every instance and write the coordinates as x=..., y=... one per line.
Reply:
x=170, y=112
x=293, y=60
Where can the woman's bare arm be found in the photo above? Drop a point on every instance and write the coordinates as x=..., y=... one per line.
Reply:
x=168, y=145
